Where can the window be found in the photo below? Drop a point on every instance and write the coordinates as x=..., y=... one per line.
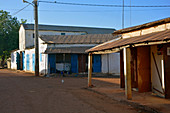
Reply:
x=33, y=35
x=63, y=33
x=60, y=58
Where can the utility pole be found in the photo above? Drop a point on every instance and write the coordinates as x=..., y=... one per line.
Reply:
x=36, y=38
x=123, y=16
x=36, y=43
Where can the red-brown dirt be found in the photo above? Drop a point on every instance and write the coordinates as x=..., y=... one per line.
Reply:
x=25, y=93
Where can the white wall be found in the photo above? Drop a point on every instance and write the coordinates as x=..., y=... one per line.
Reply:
x=155, y=77
x=44, y=63
x=30, y=40
x=21, y=38
x=111, y=63
x=30, y=52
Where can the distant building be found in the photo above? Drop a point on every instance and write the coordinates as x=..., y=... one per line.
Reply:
x=26, y=32
x=62, y=48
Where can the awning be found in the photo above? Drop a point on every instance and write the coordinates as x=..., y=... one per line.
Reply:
x=160, y=37
x=66, y=50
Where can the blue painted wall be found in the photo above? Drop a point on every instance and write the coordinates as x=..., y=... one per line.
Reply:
x=52, y=63
x=74, y=63
x=40, y=57
x=96, y=63
x=27, y=62
x=33, y=62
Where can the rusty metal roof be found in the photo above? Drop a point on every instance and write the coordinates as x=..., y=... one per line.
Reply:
x=77, y=39
x=66, y=50
x=152, y=37
x=143, y=26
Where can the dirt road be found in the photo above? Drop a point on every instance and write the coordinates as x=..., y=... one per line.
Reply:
x=24, y=93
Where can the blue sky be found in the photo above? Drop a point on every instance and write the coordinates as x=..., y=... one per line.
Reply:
x=107, y=17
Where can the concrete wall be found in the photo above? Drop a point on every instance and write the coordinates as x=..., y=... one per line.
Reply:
x=111, y=63
x=29, y=52
x=22, y=38
x=42, y=63
x=155, y=77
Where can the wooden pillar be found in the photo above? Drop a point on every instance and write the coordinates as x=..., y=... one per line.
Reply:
x=122, y=77
x=89, y=69
x=166, y=56
x=127, y=73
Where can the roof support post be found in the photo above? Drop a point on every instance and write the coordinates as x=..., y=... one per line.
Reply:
x=127, y=73
x=89, y=69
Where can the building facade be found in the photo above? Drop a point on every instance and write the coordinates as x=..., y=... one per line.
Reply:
x=62, y=49
x=144, y=57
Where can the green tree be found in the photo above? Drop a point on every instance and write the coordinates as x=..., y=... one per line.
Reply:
x=9, y=34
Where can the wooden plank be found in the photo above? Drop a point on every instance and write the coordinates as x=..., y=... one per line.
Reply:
x=122, y=77
x=166, y=71
x=89, y=69
x=144, y=70
x=127, y=73
x=134, y=77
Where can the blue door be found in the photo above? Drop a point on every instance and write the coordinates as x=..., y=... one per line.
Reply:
x=18, y=61
x=28, y=62
x=74, y=63
x=33, y=62
x=52, y=63
x=96, y=63
x=23, y=60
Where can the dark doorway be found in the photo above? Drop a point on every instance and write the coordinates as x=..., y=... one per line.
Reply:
x=82, y=63
x=133, y=62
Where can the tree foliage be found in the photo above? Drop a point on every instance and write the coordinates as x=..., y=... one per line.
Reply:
x=9, y=34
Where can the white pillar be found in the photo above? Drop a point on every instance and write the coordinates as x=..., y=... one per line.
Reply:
x=89, y=69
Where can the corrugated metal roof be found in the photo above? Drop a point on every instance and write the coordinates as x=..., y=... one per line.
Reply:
x=66, y=50
x=77, y=39
x=89, y=30
x=143, y=26
x=152, y=37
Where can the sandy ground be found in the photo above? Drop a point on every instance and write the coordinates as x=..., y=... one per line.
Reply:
x=24, y=93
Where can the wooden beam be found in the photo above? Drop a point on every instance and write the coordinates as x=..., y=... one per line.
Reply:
x=144, y=69
x=127, y=73
x=89, y=69
x=122, y=77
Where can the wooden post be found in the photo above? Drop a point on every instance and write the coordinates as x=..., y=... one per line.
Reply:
x=36, y=38
x=127, y=73
x=122, y=77
x=89, y=69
